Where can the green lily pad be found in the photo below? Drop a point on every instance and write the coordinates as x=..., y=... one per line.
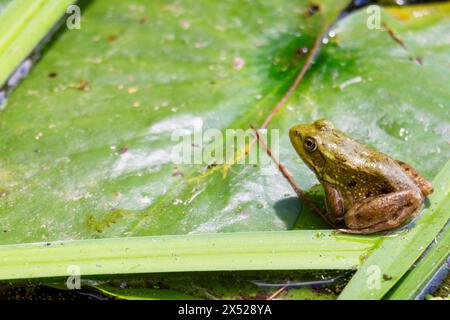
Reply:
x=3, y=3
x=86, y=138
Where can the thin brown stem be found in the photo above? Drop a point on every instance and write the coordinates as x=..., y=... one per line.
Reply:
x=312, y=54
x=400, y=42
x=277, y=293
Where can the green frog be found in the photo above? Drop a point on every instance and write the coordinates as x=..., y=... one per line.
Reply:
x=366, y=190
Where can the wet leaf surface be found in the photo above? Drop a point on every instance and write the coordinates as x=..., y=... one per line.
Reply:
x=86, y=139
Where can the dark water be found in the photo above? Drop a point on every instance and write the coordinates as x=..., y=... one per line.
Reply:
x=236, y=285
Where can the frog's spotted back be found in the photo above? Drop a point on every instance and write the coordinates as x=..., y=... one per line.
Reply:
x=323, y=125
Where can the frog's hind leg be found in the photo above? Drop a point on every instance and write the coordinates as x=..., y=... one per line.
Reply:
x=382, y=212
x=382, y=226
x=425, y=186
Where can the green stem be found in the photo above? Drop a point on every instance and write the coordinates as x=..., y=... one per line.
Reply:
x=286, y=250
x=23, y=24
x=411, y=285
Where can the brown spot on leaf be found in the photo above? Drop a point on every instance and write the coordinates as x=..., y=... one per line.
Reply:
x=142, y=20
x=212, y=165
x=312, y=9
x=302, y=51
x=100, y=224
x=82, y=85
x=387, y=277
x=112, y=38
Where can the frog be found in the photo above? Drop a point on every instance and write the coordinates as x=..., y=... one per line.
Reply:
x=366, y=191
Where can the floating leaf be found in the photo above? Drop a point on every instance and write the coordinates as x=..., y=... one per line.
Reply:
x=86, y=139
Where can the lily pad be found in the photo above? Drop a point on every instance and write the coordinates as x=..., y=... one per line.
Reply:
x=86, y=139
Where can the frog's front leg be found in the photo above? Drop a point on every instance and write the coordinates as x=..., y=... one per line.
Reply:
x=382, y=212
x=334, y=203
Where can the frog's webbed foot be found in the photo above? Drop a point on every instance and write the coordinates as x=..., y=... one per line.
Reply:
x=382, y=212
x=359, y=231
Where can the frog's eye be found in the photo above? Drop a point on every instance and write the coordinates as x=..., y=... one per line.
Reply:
x=310, y=144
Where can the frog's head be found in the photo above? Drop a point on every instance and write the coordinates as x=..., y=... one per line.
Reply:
x=311, y=141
